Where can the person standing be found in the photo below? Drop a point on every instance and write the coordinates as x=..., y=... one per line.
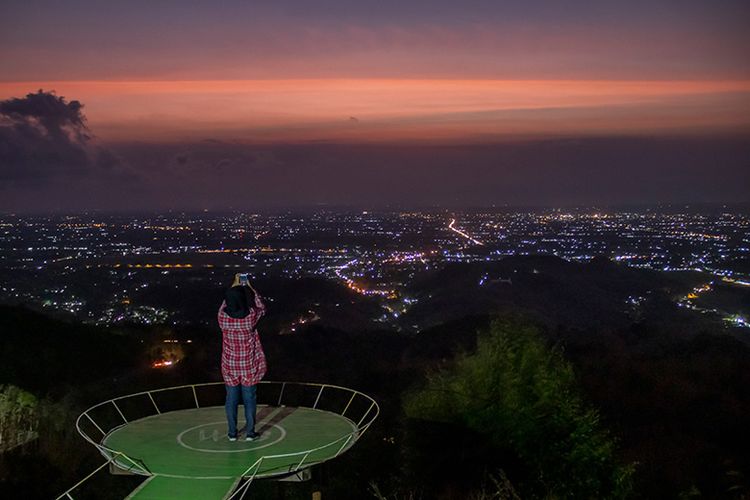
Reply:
x=243, y=362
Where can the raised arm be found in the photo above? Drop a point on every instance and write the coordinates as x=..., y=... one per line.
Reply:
x=260, y=307
x=221, y=310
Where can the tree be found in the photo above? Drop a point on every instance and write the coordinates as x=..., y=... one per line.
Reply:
x=524, y=397
x=18, y=417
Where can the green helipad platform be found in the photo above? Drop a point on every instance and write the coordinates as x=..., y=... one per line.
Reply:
x=177, y=437
x=193, y=443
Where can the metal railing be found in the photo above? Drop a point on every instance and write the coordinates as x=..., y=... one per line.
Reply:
x=253, y=471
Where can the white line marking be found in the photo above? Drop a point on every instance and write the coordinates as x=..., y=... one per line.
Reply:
x=243, y=450
x=139, y=488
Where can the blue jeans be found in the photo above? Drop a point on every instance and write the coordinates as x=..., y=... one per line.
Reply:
x=233, y=401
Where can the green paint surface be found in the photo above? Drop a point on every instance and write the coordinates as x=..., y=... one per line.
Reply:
x=192, y=446
x=161, y=487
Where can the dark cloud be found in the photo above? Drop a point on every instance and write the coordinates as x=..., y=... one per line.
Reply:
x=580, y=171
x=51, y=113
x=199, y=158
x=44, y=137
x=223, y=163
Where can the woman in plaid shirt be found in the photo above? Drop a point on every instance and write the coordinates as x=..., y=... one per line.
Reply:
x=243, y=363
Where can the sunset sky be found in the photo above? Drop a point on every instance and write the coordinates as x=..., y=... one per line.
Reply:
x=309, y=98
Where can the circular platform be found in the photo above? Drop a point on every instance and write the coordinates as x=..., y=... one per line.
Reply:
x=177, y=436
x=193, y=443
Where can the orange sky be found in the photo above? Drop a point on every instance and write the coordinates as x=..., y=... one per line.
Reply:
x=397, y=109
x=296, y=70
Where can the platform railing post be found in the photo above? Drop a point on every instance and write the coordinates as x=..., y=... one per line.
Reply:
x=118, y=411
x=95, y=424
x=281, y=394
x=364, y=429
x=318, y=398
x=196, y=397
x=348, y=404
x=154, y=402
x=366, y=413
x=343, y=445
x=256, y=465
x=301, y=462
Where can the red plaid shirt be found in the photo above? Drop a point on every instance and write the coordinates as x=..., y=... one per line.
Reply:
x=242, y=358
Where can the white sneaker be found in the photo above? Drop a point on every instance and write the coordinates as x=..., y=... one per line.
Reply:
x=232, y=439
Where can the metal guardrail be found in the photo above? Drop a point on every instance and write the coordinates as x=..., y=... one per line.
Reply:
x=137, y=466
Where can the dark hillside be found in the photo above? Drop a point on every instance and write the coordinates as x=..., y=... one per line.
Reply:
x=597, y=294
x=39, y=353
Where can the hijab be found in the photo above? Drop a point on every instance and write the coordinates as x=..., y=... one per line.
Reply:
x=237, y=304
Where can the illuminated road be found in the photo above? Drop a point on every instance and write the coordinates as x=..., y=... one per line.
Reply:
x=353, y=286
x=458, y=231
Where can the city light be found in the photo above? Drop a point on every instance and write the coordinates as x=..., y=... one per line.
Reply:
x=112, y=270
